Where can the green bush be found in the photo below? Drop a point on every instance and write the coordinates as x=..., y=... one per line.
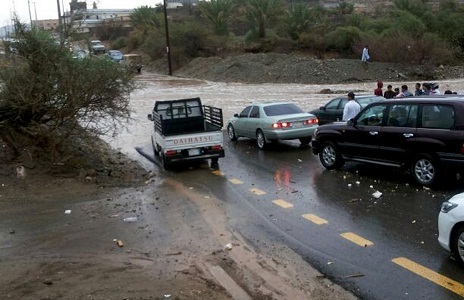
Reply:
x=120, y=42
x=343, y=38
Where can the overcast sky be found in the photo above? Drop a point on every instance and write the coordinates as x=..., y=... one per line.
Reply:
x=47, y=9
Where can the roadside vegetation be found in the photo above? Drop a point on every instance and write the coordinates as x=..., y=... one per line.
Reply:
x=53, y=105
x=404, y=31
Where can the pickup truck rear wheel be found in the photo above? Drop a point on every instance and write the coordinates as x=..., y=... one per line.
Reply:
x=261, y=140
x=330, y=156
x=231, y=133
x=155, y=147
x=165, y=165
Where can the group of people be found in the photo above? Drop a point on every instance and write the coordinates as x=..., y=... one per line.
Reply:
x=352, y=108
x=425, y=88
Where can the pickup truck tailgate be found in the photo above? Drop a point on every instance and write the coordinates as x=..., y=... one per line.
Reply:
x=193, y=140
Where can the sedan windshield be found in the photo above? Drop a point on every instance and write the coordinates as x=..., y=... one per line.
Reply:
x=282, y=109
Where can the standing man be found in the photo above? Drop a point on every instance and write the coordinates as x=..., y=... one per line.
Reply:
x=351, y=109
x=378, y=90
x=404, y=92
x=418, y=91
x=389, y=93
x=365, y=55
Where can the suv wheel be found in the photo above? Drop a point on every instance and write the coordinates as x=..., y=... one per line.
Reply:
x=330, y=157
x=424, y=169
x=457, y=245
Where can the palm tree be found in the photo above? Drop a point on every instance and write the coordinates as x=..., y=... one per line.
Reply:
x=261, y=13
x=218, y=13
x=144, y=19
x=298, y=20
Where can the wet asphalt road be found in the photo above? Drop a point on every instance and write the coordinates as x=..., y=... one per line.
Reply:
x=383, y=248
x=401, y=224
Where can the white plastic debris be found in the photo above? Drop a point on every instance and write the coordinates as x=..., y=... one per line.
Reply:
x=413, y=221
x=228, y=246
x=68, y=211
x=167, y=296
x=371, y=186
x=329, y=262
x=349, y=184
x=358, y=182
x=21, y=172
x=130, y=219
x=299, y=160
x=377, y=194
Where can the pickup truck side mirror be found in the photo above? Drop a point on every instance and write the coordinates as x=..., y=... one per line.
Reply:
x=150, y=117
x=322, y=108
x=351, y=122
x=236, y=115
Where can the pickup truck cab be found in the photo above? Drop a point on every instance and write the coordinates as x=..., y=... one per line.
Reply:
x=185, y=130
x=97, y=47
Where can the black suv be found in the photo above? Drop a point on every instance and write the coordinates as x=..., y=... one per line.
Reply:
x=422, y=134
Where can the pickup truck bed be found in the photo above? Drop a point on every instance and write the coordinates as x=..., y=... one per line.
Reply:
x=186, y=130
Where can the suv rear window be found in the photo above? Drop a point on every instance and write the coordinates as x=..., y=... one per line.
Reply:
x=438, y=116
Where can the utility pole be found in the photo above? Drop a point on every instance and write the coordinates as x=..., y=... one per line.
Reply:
x=30, y=16
x=60, y=29
x=35, y=12
x=168, y=50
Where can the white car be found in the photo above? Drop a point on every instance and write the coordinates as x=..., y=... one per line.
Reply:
x=451, y=227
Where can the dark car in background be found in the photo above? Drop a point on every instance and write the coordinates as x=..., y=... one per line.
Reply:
x=424, y=135
x=333, y=110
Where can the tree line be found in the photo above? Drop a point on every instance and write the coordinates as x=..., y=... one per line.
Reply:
x=409, y=31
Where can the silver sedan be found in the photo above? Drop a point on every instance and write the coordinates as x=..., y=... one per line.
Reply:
x=268, y=122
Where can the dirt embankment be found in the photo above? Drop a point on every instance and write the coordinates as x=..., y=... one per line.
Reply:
x=283, y=68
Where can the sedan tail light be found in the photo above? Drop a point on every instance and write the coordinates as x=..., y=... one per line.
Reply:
x=311, y=121
x=281, y=125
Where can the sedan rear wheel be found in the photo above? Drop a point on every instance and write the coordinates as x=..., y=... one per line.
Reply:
x=261, y=140
x=424, y=170
x=330, y=156
x=457, y=245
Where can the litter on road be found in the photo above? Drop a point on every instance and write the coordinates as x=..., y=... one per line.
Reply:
x=377, y=194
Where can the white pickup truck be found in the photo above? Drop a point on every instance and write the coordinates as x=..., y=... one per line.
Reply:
x=186, y=130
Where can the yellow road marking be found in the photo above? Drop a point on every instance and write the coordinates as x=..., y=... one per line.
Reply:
x=358, y=240
x=257, y=192
x=428, y=274
x=315, y=219
x=217, y=172
x=282, y=203
x=235, y=181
